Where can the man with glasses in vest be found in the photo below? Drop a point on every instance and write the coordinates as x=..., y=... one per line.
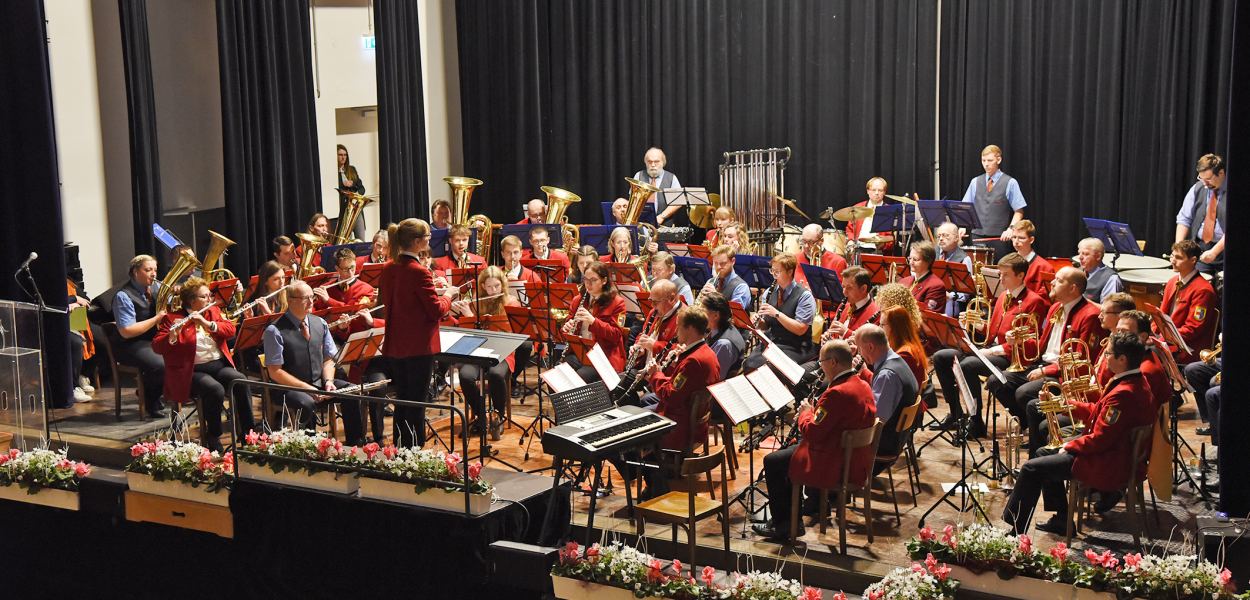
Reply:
x=1202, y=215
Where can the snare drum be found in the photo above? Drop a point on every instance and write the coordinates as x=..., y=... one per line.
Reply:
x=979, y=254
x=835, y=239
x=791, y=235
x=1146, y=285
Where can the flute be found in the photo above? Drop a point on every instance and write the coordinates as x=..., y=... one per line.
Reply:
x=334, y=283
x=345, y=319
x=250, y=305
x=173, y=329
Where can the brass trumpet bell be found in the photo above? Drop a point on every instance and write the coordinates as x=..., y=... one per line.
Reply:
x=704, y=216
x=167, y=297
x=311, y=245
x=461, y=192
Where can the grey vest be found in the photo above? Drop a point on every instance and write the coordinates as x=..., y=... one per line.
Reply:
x=303, y=357
x=1097, y=281
x=993, y=209
x=734, y=337
x=1202, y=195
x=957, y=256
x=889, y=433
x=778, y=333
x=144, y=308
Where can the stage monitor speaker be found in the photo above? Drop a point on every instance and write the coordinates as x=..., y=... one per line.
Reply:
x=1222, y=543
x=522, y=566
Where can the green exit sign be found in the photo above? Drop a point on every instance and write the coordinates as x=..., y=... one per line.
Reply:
x=368, y=42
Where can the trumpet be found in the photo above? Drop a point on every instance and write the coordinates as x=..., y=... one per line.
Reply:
x=1053, y=401
x=1023, y=329
x=1211, y=355
x=1015, y=442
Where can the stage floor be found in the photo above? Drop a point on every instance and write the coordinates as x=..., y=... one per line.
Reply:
x=92, y=423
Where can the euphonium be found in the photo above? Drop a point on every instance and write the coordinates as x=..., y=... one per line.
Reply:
x=639, y=192
x=311, y=245
x=1023, y=329
x=352, y=209
x=167, y=296
x=558, y=202
x=216, y=250
x=976, y=316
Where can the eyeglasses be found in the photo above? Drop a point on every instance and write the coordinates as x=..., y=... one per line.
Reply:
x=300, y=297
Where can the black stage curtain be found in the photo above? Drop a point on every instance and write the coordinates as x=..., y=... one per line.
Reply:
x=32, y=209
x=571, y=93
x=273, y=180
x=401, y=112
x=1101, y=108
x=1234, y=410
x=145, y=164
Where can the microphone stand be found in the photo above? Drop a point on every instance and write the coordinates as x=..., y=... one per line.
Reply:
x=42, y=306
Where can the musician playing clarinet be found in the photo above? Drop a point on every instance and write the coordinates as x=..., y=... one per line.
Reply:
x=620, y=247
x=846, y=404
x=599, y=314
x=785, y=315
x=859, y=308
x=724, y=280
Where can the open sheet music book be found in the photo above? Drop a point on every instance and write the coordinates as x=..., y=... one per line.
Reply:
x=1167, y=328
x=629, y=292
x=775, y=393
x=965, y=394
x=604, y=367
x=993, y=283
x=980, y=353
x=562, y=378
x=738, y=398
x=791, y=370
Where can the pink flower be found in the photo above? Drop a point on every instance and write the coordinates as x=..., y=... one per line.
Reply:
x=811, y=593
x=136, y=451
x=64, y=464
x=205, y=461
x=930, y=563
x=1026, y=544
x=82, y=469
x=1092, y=557
x=570, y=550
x=708, y=575
x=227, y=462
x=452, y=461
x=926, y=534
x=4, y=458
x=837, y=596
x=654, y=571
x=876, y=595
x=475, y=470
x=1131, y=560
x=948, y=536
x=1060, y=551
x=942, y=572
x=593, y=553
x=917, y=568
x=677, y=566
x=371, y=449
x=14, y=452
x=390, y=452
x=1225, y=577
x=252, y=438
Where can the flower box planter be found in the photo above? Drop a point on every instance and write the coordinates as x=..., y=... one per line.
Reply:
x=576, y=589
x=141, y=482
x=405, y=493
x=46, y=497
x=6, y=442
x=326, y=481
x=1023, y=587
x=151, y=508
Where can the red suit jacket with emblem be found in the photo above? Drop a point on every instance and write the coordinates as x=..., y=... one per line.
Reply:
x=1033, y=277
x=413, y=309
x=929, y=291
x=846, y=405
x=443, y=264
x=1006, y=310
x=667, y=328
x=356, y=291
x=1083, y=323
x=606, y=328
x=695, y=370
x=1190, y=307
x=828, y=260
x=1101, y=454
x=855, y=319
x=180, y=357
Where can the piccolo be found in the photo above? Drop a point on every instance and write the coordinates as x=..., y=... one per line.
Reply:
x=345, y=319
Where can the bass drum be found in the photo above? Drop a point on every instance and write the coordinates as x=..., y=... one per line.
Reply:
x=789, y=240
x=835, y=239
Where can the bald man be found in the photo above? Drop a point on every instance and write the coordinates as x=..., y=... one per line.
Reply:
x=654, y=164
x=947, y=235
x=813, y=242
x=535, y=213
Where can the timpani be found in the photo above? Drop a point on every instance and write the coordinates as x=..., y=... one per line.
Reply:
x=1144, y=276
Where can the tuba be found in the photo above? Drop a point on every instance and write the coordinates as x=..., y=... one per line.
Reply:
x=167, y=296
x=558, y=202
x=639, y=192
x=461, y=193
x=352, y=210
x=216, y=250
x=1023, y=329
x=311, y=245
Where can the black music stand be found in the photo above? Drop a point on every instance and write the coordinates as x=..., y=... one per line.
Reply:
x=687, y=196
x=558, y=272
x=825, y=284
x=696, y=271
x=959, y=213
x=358, y=248
x=540, y=295
x=625, y=274
x=755, y=270
x=637, y=302
x=898, y=219
x=501, y=344
x=968, y=498
x=1117, y=237
x=598, y=236
x=522, y=231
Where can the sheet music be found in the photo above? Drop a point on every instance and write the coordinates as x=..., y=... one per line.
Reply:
x=775, y=393
x=791, y=370
x=629, y=292
x=604, y=367
x=738, y=399
x=965, y=394
x=985, y=360
x=992, y=281
x=1170, y=333
x=356, y=337
x=484, y=352
x=562, y=378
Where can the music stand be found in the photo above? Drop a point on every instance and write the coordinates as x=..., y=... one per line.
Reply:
x=598, y=236
x=687, y=196
x=580, y=347
x=223, y=291
x=555, y=295
x=319, y=279
x=879, y=267
x=637, y=301
x=371, y=273
x=898, y=219
x=252, y=332
x=678, y=249
x=625, y=274
x=824, y=284
x=696, y=271
x=946, y=331
x=700, y=251
x=560, y=273
x=955, y=275
x=1118, y=237
x=542, y=295
x=361, y=346
x=959, y=213
x=358, y=248
x=522, y=232
x=738, y=314
x=755, y=270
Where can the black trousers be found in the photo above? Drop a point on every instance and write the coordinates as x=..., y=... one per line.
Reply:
x=412, y=382
x=379, y=369
x=209, y=383
x=139, y=354
x=1016, y=393
x=1042, y=476
x=1199, y=376
x=777, y=475
x=303, y=408
x=1212, y=400
x=497, y=376
x=944, y=365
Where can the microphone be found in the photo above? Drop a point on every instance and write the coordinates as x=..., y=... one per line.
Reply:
x=549, y=269
x=26, y=263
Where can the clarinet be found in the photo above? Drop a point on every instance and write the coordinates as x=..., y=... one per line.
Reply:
x=794, y=435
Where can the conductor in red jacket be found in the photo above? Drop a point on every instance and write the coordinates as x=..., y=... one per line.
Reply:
x=928, y=289
x=198, y=360
x=847, y=404
x=1096, y=459
x=413, y=309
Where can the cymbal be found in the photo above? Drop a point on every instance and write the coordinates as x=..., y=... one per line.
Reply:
x=903, y=199
x=853, y=213
x=702, y=216
x=874, y=239
x=795, y=207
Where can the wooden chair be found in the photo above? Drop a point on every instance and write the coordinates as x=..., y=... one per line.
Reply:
x=113, y=336
x=908, y=420
x=723, y=430
x=686, y=509
x=852, y=439
x=1134, y=499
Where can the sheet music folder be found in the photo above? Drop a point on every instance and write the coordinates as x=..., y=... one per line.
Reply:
x=1118, y=237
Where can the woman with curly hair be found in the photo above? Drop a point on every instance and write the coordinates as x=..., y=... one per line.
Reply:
x=897, y=294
